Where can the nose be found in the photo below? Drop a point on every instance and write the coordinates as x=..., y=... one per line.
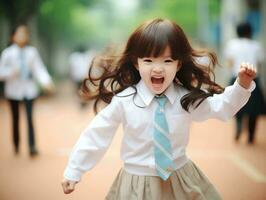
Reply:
x=157, y=69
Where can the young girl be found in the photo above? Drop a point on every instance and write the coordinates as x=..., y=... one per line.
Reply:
x=23, y=72
x=155, y=89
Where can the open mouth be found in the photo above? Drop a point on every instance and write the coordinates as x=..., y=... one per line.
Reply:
x=156, y=80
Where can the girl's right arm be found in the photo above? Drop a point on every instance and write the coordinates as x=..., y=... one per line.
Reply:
x=7, y=71
x=93, y=142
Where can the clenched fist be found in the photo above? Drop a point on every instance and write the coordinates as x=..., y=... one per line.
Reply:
x=68, y=186
x=246, y=74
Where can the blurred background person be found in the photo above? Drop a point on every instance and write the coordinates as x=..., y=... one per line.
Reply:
x=237, y=50
x=23, y=72
x=79, y=64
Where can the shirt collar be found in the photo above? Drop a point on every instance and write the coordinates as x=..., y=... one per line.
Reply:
x=18, y=47
x=147, y=96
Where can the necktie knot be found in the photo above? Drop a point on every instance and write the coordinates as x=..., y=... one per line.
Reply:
x=161, y=100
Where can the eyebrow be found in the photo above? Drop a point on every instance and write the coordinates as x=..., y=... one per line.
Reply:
x=168, y=56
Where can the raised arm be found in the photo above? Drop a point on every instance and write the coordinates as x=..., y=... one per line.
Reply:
x=226, y=105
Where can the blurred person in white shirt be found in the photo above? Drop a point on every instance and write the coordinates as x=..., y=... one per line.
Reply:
x=246, y=49
x=79, y=63
x=22, y=70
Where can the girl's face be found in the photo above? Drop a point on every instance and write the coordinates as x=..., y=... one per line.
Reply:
x=21, y=36
x=158, y=73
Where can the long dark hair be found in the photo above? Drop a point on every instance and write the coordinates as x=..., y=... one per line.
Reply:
x=118, y=72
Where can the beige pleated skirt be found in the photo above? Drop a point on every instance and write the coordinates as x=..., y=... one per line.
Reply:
x=186, y=183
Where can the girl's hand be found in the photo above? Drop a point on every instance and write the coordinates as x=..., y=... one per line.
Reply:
x=246, y=74
x=68, y=186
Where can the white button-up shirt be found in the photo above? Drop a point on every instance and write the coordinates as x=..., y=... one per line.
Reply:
x=136, y=113
x=17, y=88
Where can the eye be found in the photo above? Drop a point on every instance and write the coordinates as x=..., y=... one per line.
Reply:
x=147, y=60
x=168, y=61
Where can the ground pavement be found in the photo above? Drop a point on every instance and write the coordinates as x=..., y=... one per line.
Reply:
x=237, y=170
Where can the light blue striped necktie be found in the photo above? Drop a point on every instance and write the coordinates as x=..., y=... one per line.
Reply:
x=162, y=147
x=24, y=70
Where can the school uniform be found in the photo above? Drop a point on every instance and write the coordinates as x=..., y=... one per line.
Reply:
x=24, y=73
x=138, y=179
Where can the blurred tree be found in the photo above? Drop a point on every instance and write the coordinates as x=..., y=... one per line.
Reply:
x=66, y=21
x=18, y=11
x=65, y=24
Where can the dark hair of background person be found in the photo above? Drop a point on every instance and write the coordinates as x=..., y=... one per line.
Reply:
x=244, y=30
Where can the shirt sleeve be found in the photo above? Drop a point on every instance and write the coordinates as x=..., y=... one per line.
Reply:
x=7, y=71
x=225, y=105
x=94, y=141
x=40, y=72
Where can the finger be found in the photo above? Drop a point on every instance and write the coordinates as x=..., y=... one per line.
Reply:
x=243, y=65
x=71, y=186
x=67, y=190
x=250, y=67
x=242, y=69
x=253, y=69
x=64, y=184
x=66, y=187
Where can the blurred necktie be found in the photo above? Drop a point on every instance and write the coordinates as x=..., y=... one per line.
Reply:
x=24, y=69
x=162, y=147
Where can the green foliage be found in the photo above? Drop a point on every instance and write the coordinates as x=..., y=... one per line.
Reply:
x=65, y=21
x=97, y=22
x=18, y=11
x=54, y=18
x=184, y=12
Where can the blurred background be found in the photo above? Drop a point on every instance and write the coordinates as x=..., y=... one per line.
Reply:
x=59, y=28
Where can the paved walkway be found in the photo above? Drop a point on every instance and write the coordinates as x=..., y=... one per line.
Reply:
x=237, y=170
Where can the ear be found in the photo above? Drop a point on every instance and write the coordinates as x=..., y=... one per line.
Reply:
x=136, y=66
x=179, y=64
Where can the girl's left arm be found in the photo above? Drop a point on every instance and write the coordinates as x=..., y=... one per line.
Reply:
x=40, y=72
x=224, y=106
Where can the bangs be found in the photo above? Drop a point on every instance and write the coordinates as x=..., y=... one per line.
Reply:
x=151, y=40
